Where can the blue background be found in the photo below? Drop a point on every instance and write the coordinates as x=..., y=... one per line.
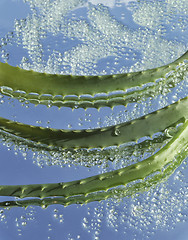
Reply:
x=35, y=222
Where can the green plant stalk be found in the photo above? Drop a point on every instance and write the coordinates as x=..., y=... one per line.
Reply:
x=90, y=158
x=101, y=137
x=105, y=181
x=73, y=91
x=115, y=193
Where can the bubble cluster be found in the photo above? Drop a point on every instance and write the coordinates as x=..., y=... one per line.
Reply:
x=145, y=214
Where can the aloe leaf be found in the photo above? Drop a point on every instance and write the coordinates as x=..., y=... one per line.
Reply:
x=101, y=137
x=83, y=91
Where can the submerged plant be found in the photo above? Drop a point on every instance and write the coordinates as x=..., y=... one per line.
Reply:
x=98, y=91
x=89, y=91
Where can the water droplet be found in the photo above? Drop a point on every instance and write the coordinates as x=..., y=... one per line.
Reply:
x=170, y=132
x=116, y=132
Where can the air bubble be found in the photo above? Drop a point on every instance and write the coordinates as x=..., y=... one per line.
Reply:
x=116, y=132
